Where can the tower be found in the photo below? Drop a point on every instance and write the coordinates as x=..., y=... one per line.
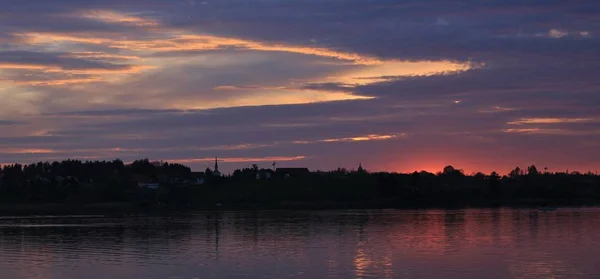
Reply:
x=216, y=172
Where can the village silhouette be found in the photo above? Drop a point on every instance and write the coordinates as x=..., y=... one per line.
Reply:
x=143, y=184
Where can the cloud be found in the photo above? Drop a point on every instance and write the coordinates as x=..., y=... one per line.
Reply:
x=240, y=160
x=550, y=131
x=25, y=151
x=109, y=16
x=9, y=123
x=26, y=68
x=193, y=42
x=442, y=22
x=362, y=138
x=551, y=121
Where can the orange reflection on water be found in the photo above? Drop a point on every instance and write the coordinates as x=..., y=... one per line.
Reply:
x=369, y=263
x=472, y=243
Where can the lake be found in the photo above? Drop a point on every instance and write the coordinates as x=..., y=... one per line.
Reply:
x=472, y=243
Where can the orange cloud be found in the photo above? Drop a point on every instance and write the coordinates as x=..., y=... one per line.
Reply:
x=117, y=17
x=393, y=69
x=371, y=137
x=123, y=69
x=362, y=138
x=59, y=82
x=354, y=68
x=100, y=55
x=175, y=41
x=543, y=131
x=276, y=97
x=26, y=151
x=34, y=38
x=550, y=121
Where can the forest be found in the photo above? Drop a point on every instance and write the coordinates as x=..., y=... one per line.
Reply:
x=78, y=182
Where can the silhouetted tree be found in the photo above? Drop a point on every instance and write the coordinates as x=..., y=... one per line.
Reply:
x=532, y=170
x=516, y=172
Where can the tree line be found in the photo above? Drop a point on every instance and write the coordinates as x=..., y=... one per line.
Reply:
x=74, y=181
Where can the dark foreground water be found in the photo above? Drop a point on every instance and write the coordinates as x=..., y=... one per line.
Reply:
x=494, y=243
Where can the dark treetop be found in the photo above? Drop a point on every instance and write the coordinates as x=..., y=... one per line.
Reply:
x=146, y=183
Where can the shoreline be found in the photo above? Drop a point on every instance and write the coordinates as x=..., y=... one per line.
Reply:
x=133, y=208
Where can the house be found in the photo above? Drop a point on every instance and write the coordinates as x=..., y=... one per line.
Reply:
x=198, y=178
x=264, y=174
x=291, y=172
x=146, y=182
x=148, y=185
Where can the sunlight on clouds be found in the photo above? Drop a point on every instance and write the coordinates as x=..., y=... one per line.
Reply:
x=46, y=75
x=542, y=131
x=370, y=70
x=388, y=70
x=41, y=133
x=496, y=109
x=550, y=121
x=101, y=55
x=26, y=151
x=174, y=42
x=59, y=82
x=159, y=48
x=35, y=38
x=371, y=137
x=17, y=101
x=117, y=17
x=362, y=138
x=275, y=97
x=121, y=69
x=555, y=33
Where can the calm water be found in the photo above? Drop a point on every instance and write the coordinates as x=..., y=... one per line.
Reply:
x=500, y=243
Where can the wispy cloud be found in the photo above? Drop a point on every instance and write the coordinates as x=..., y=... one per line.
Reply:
x=101, y=55
x=497, y=109
x=115, y=17
x=176, y=42
x=551, y=121
x=240, y=159
x=7, y=150
x=363, y=138
x=371, y=137
x=551, y=131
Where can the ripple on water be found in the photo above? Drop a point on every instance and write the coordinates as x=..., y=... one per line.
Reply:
x=486, y=243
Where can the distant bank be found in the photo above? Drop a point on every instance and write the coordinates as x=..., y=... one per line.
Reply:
x=134, y=208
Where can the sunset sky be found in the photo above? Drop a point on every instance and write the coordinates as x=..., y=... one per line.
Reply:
x=396, y=85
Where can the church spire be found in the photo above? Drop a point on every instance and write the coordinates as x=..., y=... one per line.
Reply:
x=216, y=172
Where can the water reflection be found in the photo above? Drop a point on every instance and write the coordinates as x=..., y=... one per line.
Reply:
x=474, y=243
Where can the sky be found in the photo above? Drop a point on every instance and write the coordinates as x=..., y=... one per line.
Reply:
x=394, y=85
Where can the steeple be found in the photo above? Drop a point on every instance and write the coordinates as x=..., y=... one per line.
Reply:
x=216, y=172
x=360, y=168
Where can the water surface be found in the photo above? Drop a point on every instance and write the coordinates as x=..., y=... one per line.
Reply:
x=474, y=243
